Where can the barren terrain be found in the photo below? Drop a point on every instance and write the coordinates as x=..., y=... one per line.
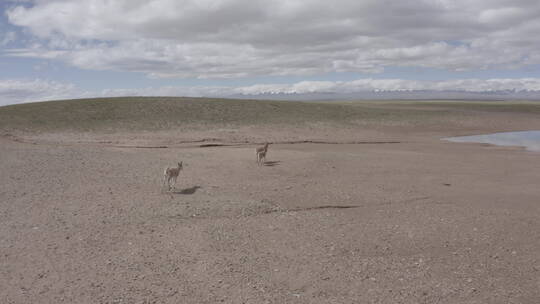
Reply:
x=358, y=202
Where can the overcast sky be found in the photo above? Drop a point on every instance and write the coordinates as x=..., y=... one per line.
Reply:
x=52, y=49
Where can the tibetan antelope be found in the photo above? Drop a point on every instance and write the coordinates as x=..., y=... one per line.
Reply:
x=261, y=153
x=171, y=173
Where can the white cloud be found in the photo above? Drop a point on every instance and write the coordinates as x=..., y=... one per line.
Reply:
x=7, y=38
x=21, y=91
x=241, y=38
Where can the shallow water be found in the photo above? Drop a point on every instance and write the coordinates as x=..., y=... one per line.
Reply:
x=528, y=139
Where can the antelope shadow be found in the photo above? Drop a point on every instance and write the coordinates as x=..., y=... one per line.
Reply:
x=187, y=191
x=272, y=163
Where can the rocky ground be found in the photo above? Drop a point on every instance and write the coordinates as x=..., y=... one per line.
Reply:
x=371, y=216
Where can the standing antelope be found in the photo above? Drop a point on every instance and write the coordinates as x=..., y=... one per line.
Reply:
x=171, y=173
x=261, y=153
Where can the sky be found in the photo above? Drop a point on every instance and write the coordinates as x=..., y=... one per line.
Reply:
x=59, y=49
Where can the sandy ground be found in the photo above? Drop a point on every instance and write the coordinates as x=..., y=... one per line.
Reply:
x=85, y=219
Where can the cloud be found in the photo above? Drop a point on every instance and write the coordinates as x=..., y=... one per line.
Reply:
x=21, y=91
x=241, y=38
x=7, y=38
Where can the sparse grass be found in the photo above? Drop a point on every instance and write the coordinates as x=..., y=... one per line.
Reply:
x=487, y=106
x=158, y=113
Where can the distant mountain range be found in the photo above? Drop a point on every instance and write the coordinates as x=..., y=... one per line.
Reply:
x=382, y=95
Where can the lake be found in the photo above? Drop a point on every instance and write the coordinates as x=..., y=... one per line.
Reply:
x=528, y=139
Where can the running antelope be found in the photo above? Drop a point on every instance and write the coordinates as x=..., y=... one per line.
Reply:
x=261, y=153
x=171, y=173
